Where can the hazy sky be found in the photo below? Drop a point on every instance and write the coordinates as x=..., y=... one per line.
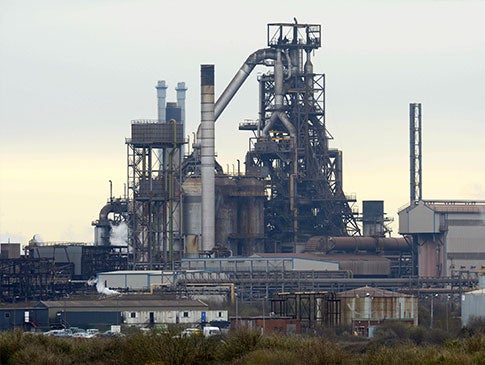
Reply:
x=73, y=74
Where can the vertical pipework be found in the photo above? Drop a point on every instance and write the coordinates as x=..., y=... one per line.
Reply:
x=162, y=97
x=181, y=90
x=207, y=156
x=308, y=80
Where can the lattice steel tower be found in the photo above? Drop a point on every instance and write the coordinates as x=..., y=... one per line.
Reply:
x=291, y=148
x=415, y=149
x=153, y=154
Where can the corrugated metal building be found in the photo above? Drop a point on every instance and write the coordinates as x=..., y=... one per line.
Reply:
x=107, y=312
x=449, y=235
x=472, y=305
x=367, y=307
x=141, y=312
x=148, y=280
x=22, y=315
x=263, y=262
x=473, y=302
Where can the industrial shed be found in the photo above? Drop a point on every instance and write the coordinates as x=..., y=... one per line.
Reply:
x=140, y=312
x=106, y=312
x=472, y=305
x=263, y=262
x=449, y=235
x=366, y=307
x=24, y=315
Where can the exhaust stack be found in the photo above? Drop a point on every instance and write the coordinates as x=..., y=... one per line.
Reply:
x=162, y=97
x=207, y=156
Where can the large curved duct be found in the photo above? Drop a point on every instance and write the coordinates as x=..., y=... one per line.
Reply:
x=256, y=58
x=103, y=224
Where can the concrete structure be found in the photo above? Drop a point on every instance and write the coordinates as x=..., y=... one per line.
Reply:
x=449, y=236
x=366, y=307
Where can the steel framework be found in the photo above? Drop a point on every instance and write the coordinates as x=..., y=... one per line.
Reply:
x=153, y=154
x=415, y=148
x=303, y=175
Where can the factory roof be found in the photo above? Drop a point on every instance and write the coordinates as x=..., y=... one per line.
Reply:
x=368, y=291
x=452, y=206
x=477, y=292
x=121, y=303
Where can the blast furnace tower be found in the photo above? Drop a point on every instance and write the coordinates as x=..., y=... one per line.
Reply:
x=290, y=150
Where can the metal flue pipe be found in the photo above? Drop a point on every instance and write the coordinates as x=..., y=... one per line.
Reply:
x=161, y=96
x=259, y=57
x=207, y=156
x=256, y=58
x=279, y=113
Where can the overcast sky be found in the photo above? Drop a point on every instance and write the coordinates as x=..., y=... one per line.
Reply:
x=73, y=74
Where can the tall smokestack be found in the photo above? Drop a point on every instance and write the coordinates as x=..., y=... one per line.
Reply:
x=207, y=156
x=181, y=90
x=162, y=97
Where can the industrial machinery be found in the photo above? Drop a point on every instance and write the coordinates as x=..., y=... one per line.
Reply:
x=290, y=151
x=291, y=188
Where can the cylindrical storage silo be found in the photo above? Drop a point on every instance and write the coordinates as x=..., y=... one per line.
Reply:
x=192, y=213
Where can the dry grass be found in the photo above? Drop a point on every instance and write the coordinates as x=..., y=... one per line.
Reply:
x=241, y=347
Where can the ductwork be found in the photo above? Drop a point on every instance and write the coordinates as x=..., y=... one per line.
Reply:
x=207, y=159
x=103, y=224
x=257, y=58
x=279, y=113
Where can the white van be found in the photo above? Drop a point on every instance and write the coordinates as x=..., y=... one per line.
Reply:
x=211, y=331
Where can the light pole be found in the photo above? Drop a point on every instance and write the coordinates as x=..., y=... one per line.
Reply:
x=237, y=325
x=432, y=311
x=264, y=318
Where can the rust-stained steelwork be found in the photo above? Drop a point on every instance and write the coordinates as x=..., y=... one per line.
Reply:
x=291, y=152
x=311, y=308
x=44, y=280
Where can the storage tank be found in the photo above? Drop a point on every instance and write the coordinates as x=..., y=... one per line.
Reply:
x=367, y=307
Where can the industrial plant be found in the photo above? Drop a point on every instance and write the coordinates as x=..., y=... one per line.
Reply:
x=279, y=230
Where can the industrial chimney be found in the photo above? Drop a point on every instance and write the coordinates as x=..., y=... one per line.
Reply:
x=207, y=156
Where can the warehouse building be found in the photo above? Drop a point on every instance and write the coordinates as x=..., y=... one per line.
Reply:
x=449, y=236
